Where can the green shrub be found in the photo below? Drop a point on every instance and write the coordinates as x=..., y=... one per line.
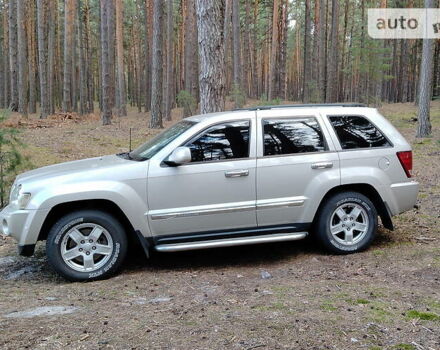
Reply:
x=10, y=157
x=186, y=101
x=265, y=102
x=238, y=96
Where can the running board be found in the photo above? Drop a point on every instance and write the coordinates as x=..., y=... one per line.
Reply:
x=229, y=242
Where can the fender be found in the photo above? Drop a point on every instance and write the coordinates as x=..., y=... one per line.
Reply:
x=127, y=197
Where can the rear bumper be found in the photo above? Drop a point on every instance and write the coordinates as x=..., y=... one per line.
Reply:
x=404, y=196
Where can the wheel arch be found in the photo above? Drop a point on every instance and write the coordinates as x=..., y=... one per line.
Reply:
x=97, y=204
x=368, y=191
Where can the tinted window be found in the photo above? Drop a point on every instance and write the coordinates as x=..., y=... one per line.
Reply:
x=151, y=147
x=287, y=136
x=357, y=132
x=223, y=141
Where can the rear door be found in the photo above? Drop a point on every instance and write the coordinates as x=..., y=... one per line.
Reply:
x=297, y=163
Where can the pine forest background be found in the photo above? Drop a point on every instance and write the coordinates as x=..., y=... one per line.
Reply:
x=83, y=55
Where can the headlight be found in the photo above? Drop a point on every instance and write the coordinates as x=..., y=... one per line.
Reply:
x=15, y=190
x=19, y=198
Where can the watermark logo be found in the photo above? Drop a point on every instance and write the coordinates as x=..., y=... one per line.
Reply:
x=404, y=23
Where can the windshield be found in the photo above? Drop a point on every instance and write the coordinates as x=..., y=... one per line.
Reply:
x=151, y=147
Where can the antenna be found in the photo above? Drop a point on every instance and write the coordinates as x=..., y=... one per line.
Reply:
x=130, y=142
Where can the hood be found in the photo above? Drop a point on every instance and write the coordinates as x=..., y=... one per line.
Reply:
x=74, y=168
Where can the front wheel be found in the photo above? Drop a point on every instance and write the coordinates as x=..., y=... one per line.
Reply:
x=86, y=245
x=347, y=223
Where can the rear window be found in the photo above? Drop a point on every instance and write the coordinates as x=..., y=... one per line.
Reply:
x=290, y=136
x=357, y=132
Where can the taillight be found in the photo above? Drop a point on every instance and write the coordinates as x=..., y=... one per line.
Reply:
x=406, y=161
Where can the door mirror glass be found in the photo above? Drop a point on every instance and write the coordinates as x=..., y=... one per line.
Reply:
x=181, y=155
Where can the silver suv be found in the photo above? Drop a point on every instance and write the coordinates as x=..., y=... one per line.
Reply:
x=266, y=174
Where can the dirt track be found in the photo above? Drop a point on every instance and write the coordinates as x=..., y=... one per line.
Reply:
x=385, y=298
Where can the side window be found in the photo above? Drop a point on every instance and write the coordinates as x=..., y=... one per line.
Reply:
x=221, y=142
x=289, y=136
x=357, y=132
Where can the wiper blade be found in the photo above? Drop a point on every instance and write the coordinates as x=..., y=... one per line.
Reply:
x=125, y=155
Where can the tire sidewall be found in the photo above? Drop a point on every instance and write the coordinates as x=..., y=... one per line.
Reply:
x=324, y=223
x=62, y=227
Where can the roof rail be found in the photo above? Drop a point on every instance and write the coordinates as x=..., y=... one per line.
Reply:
x=311, y=105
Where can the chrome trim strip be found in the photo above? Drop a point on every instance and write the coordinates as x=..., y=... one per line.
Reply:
x=280, y=237
x=286, y=202
x=201, y=210
x=280, y=202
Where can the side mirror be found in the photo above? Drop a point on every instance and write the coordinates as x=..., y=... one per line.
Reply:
x=181, y=155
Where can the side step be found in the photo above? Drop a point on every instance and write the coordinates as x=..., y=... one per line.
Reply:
x=229, y=242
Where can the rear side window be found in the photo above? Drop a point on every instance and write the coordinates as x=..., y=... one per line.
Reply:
x=221, y=142
x=357, y=132
x=290, y=136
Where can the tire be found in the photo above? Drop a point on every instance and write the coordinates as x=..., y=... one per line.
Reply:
x=347, y=223
x=86, y=245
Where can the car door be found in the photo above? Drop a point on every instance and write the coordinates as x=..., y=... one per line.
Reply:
x=297, y=164
x=215, y=191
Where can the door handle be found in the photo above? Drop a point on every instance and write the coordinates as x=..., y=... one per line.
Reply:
x=236, y=173
x=322, y=165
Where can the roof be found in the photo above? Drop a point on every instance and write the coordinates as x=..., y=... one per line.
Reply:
x=309, y=105
x=202, y=117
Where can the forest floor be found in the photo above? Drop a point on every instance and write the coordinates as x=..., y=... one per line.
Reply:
x=274, y=296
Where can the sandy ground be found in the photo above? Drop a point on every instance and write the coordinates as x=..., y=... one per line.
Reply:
x=276, y=296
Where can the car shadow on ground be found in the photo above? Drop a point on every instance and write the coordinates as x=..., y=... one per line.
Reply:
x=241, y=256
x=260, y=255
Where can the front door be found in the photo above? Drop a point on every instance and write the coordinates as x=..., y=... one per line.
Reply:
x=215, y=191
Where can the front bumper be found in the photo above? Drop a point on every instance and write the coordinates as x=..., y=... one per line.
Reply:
x=22, y=225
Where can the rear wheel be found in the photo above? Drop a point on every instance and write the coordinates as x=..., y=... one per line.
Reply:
x=86, y=245
x=347, y=223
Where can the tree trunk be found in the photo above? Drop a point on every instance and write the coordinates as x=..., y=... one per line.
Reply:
x=157, y=67
x=148, y=52
x=247, y=50
x=52, y=43
x=169, y=90
x=75, y=78
x=212, y=64
x=42, y=58
x=111, y=48
x=83, y=93
x=236, y=44
x=89, y=73
x=7, y=81
x=283, y=50
x=332, y=89
x=191, y=63
x=307, y=75
x=32, y=54
x=23, y=83
x=227, y=42
x=105, y=69
x=322, y=50
x=425, y=81
x=255, y=83
x=272, y=93
x=2, y=72
x=13, y=62
x=69, y=26
x=122, y=109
